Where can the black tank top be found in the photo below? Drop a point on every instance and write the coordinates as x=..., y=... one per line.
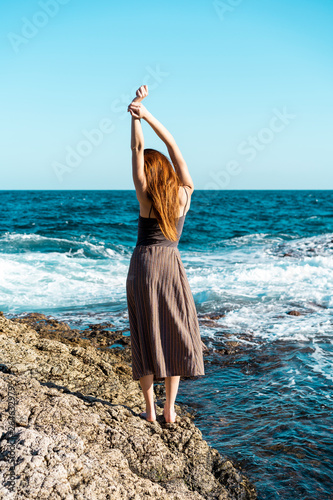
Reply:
x=149, y=231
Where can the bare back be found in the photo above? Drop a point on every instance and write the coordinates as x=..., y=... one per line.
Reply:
x=183, y=201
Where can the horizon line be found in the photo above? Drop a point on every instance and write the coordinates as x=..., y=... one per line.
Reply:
x=206, y=190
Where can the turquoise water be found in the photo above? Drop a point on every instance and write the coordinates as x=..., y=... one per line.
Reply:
x=252, y=256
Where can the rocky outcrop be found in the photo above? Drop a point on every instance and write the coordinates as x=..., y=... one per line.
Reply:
x=78, y=434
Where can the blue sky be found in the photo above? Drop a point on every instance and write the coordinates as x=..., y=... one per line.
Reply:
x=244, y=86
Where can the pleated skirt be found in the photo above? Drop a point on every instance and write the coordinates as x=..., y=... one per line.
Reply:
x=164, y=327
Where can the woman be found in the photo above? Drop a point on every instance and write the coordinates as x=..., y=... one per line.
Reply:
x=165, y=336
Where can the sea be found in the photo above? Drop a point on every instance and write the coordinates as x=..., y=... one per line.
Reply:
x=251, y=258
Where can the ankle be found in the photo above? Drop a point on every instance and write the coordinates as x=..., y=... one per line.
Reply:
x=169, y=409
x=152, y=407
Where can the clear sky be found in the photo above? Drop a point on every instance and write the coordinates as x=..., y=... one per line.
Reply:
x=244, y=86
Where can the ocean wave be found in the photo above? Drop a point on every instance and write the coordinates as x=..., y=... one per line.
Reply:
x=38, y=281
x=254, y=287
x=13, y=243
x=322, y=362
x=305, y=247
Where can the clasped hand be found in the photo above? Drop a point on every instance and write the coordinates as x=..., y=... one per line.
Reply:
x=136, y=108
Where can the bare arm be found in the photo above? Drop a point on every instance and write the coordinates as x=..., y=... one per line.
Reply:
x=173, y=150
x=137, y=147
x=176, y=157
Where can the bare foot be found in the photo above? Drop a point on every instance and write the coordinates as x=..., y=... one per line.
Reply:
x=149, y=416
x=169, y=415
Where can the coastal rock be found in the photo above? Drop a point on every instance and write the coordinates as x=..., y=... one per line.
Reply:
x=294, y=313
x=78, y=434
x=213, y=316
x=100, y=335
x=210, y=320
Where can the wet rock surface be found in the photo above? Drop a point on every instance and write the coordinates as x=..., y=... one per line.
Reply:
x=294, y=313
x=78, y=434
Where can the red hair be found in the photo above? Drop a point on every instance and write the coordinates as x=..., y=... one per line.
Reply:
x=163, y=188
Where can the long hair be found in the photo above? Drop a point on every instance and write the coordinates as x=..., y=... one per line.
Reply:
x=162, y=189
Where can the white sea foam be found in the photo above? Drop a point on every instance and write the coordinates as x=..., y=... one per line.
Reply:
x=254, y=285
x=54, y=280
x=16, y=242
x=322, y=363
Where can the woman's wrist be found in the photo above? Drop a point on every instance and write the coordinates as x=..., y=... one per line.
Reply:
x=147, y=116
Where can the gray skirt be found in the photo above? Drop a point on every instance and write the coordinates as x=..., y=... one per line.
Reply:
x=164, y=327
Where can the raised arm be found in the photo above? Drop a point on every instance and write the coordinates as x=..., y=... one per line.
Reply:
x=137, y=147
x=173, y=150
